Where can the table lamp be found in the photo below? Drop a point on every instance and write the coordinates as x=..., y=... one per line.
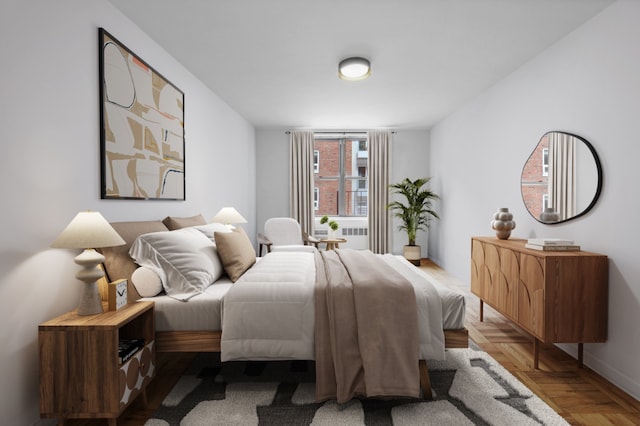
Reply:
x=88, y=231
x=228, y=216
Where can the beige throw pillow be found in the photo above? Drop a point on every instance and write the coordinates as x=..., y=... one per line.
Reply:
x=173, y=222
x=236, y=252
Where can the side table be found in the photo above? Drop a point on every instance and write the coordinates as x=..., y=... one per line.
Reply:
x=81, y=375
x=333, y=243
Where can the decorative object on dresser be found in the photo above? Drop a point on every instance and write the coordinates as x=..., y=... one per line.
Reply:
x=503, y=223
x=88, y=231
x=84, y=374
x=415, y=214
x=551, y=244
x=556, y=296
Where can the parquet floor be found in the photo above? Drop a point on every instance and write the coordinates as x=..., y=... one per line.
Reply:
x=580, y=395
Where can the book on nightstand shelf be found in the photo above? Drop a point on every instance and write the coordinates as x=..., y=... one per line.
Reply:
x=128, y=347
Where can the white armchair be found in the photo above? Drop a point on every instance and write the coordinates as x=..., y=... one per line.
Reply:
x=285, y=234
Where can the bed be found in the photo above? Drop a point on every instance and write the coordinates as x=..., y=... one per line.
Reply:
x=215, y=317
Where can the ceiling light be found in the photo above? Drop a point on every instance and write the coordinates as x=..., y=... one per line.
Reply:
x=354, y=69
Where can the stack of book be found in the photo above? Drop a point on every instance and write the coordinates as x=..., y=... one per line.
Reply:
x=128, y=347
x=551, y=244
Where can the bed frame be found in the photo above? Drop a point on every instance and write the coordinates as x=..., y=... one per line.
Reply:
x=209, y=341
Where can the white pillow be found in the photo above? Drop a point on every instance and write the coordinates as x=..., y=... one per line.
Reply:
x=211, y=228
x=146, y=281
x=186, y=260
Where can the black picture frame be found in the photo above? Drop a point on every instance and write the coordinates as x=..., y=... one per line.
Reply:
x=142, y=144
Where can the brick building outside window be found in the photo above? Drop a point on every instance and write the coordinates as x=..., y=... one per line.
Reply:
x=341, y=175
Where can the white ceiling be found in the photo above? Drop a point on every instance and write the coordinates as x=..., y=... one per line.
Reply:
x=275, y=62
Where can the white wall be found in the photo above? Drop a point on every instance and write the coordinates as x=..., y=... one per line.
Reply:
x=586, y=84
x=410, y=155
x=50, y=166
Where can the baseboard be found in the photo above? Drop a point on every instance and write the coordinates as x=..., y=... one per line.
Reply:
x=611, y=374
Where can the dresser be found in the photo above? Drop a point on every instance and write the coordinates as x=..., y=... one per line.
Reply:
x=556, y=296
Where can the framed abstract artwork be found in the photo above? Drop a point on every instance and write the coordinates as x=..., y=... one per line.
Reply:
x=142, y=128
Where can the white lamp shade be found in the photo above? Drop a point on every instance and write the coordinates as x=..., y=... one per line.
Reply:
x=88, y=230
x=354, y=69
x=228, y=216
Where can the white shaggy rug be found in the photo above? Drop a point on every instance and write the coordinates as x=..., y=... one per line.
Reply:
x=470, y=388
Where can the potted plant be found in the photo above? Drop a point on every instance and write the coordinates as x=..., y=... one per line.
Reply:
x=333, y=227
x=415, y=214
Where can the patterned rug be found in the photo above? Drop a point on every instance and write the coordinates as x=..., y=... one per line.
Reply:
x=470, y=388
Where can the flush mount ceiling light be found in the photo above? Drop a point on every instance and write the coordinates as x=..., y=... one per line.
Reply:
x=354, y=69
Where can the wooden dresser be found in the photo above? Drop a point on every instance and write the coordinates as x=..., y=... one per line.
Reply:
x=556, y=296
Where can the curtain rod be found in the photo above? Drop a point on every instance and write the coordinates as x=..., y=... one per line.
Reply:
x=342, y=132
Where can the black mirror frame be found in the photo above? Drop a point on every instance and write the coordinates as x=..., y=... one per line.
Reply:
x=599, y=184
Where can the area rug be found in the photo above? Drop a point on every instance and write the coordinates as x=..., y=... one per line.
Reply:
x=470, y=388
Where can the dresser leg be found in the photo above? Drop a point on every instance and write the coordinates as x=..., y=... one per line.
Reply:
x=536, y=353
x=481, y=310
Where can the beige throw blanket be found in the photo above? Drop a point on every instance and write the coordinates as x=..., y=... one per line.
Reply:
x=366, y=328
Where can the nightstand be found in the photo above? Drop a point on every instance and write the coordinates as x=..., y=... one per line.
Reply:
x=81, y=375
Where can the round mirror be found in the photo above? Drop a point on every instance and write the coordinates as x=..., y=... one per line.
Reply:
x=562, y=178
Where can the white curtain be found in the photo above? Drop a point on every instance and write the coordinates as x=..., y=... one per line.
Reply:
x=301, y=178
x=562, y=174
x=379, y=172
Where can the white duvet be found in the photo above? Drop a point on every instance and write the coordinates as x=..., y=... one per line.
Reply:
x=268, y=314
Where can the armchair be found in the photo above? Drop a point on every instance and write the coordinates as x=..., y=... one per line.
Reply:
x=285, y=234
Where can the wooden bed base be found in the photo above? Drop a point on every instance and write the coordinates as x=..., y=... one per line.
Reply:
x=209, y=341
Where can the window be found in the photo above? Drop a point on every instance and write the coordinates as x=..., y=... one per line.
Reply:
x=316, y=198
x=341, y=179
x=316, y=161
x=362, y=173
x=545, y=162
